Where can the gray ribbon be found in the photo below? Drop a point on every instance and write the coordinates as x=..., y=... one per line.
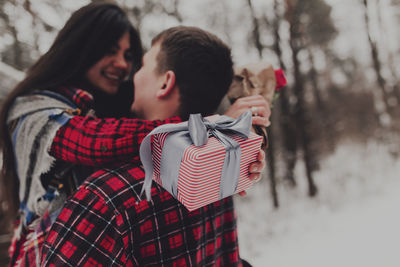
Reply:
x=195, y=132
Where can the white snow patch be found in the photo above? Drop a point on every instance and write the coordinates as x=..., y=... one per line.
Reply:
x=354, y=221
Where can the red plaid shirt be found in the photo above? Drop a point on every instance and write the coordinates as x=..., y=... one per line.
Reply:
x=95, y=142
x=106, y=223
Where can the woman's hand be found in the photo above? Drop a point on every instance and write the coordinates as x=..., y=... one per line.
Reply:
x=255, y=169
x=257, y=104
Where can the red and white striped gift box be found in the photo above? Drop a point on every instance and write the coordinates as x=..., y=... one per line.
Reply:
x=201, y=168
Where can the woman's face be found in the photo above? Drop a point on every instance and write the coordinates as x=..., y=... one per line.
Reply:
x=111, y=70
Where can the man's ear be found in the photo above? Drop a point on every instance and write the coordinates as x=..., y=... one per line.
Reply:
x=168, y=84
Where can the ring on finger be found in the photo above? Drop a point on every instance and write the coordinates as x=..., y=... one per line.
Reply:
x=254, y=111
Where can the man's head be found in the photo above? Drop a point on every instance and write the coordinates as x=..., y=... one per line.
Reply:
x=187, y=70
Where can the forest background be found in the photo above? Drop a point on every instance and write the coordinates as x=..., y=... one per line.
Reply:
x=341, y=58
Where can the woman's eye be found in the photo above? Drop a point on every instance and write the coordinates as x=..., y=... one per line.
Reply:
x=128, y=56
x=112, y=51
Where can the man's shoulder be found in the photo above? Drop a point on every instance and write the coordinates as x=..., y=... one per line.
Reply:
x=116, y=186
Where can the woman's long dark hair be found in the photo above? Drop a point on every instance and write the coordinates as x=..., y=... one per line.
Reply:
x=87, y=36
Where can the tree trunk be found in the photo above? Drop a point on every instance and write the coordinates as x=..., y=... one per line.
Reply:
x=314, y=81
x=256, y=30
x=296, y=44
x=302, y=123
x=286, y=120
x=270, y=152
x=17, y=50
x=390, y=56
x=376, y=63
x=325, y=124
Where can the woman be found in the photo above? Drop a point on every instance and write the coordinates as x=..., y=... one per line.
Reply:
x=50, y=140
x=96, y=50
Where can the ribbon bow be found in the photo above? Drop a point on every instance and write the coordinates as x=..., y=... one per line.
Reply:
x=195, y=132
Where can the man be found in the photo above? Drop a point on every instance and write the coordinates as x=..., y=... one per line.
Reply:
x=106, y=222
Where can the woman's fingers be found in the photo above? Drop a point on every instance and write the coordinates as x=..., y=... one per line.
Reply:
x=251, y=101
x=261, y=121
x=259, y=107
x=261, y=113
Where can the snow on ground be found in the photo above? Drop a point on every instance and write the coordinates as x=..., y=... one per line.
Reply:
x=354, y=221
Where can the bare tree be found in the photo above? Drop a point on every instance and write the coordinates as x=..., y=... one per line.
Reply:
x=16, y=60
x=286, y=120
x=302, y=122
x=256, y=30
x=376, y=64
x=270, y=151
x=390, y=56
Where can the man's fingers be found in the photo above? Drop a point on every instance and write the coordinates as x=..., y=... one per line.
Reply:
x=256, y=167
x=261, y=155
x=261, y=158
x=255, y=177
x=259, y=165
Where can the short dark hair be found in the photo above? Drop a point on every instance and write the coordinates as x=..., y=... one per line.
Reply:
x=202, y=64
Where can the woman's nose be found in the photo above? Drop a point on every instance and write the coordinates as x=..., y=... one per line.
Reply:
x=121, y=62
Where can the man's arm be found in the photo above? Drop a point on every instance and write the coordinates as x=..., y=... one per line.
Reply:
x=93, y=142
x=87, y=231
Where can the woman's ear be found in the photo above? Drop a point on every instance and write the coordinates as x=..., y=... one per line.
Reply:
x=168, y=84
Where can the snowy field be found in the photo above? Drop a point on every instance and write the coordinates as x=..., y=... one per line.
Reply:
x=354, y=221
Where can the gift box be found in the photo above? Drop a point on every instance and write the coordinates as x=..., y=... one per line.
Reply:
x=198, y=174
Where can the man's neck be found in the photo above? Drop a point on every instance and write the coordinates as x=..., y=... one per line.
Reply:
x=161, y=114
x=162, y=110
